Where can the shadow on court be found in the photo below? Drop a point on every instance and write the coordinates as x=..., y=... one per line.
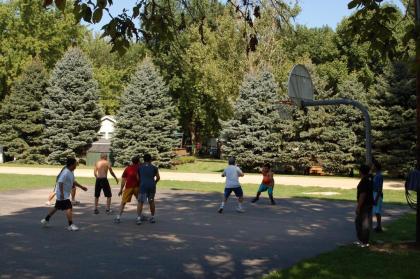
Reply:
x=189, y=240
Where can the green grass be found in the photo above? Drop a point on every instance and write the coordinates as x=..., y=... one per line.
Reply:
x=13, y=181
x=202, y=166
x=391, y=260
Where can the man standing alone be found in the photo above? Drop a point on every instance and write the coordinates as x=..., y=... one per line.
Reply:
x=101, y=175
x=149, y=176
x=364, y=206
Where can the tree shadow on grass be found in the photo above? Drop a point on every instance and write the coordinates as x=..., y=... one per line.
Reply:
x=189, y=240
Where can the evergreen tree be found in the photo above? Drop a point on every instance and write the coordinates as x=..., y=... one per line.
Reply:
x=254, y=135
x=394, y=119
x=71, y=111
x=146, y=121
x=22, y=125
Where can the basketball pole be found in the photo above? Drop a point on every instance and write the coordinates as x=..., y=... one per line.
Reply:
x=355, y=104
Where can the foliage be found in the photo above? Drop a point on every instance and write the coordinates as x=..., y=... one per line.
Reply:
x=203, y=79
x=27, y=30
x=166, y=19
x=254, y=135
x=146, y=121
x=21, y=117
x=111, y=70
x=393, y=105
x=71, y=112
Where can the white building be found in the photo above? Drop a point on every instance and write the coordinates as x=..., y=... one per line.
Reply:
x=107, y=127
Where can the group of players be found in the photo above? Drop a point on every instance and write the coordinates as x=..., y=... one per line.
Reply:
x=138, y=180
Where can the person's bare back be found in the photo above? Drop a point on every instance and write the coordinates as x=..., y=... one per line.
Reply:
x=101, y=168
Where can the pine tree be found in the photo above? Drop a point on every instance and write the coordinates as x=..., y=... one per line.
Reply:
x=254, y=135
x=394, y=119
x=71, y=111
x=146, y=120
x=22, y=124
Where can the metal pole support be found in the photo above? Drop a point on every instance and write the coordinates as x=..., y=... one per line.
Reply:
x=353, y=103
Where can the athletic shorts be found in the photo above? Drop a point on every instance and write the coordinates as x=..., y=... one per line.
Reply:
x=102, y=184
x=377, y=209
x=238, y=192
x=147, y=194
x=63, y=205
x=128, y=193
x=264, y=188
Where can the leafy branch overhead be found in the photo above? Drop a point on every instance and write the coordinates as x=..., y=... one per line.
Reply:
x=158, y=18
x=375, y=22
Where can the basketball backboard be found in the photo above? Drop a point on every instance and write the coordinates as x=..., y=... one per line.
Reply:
x=300, y=86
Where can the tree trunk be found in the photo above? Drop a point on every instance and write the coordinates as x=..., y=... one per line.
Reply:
x=417, y=6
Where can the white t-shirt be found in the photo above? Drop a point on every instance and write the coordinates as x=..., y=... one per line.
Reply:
x=67, y=178
x=232, y=174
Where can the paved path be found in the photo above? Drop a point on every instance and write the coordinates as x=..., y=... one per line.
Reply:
x=333, y=182
x=190, y=240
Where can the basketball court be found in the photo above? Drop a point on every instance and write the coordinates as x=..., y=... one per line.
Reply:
x=189, y=240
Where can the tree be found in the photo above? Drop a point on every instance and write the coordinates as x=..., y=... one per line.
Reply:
x=394, y=115
x=254, y=135
x=21, y=117
x=71, y=111
x=111, y=70
x=146, y=121
x=167, y=18
x=27, y=30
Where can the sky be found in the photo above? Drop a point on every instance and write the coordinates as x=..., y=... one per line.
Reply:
x=314, y=13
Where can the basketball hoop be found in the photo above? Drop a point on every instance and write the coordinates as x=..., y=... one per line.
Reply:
x=300, y=87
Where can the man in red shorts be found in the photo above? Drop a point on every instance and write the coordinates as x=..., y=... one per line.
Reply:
x=130, y=185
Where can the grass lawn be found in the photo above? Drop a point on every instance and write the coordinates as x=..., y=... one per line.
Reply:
x=12, y=181
x=392, y=260
x=201, y=166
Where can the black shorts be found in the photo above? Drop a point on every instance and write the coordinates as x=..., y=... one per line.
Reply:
x=102, y=184
x=63, y=205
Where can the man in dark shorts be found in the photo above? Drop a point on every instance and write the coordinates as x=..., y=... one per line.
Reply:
x=101, y=174
x=232, y=174
x=149, y=176
x=63, y=189
x=364, y=206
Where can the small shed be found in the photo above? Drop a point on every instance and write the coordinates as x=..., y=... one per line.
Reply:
x=98, y=147
x=108, y=123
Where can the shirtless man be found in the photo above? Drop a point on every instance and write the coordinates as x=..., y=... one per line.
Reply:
x=101, y=172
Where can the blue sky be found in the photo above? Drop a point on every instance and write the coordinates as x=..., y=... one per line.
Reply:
x=315, y=13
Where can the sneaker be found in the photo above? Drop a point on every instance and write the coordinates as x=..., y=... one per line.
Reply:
x=152, y=220
x=357, y=243
x=72, y=228
x=272, y=202
x=108, y=211
x=96, y=211
x=254, y=199
x=364, y=245
x=117, y=219
x=138, y=221
x=220, y=210
x=44, y=223
x=240, y=209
